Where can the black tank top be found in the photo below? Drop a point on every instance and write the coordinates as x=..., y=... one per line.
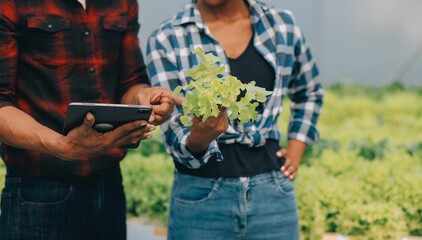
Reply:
x=240, y=160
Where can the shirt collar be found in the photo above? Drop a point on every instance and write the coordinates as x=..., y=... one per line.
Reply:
x=191, y=14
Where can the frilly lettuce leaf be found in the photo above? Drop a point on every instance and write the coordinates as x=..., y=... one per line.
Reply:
x=212, y=91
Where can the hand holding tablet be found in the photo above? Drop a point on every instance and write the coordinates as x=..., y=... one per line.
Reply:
x=107, y=116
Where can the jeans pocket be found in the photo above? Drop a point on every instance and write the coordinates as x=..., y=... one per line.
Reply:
x=283, y=184
x=44, y=193
x=193, y=190
x=46, y=209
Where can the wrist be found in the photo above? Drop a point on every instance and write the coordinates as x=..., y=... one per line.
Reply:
x=295, y=150
x=295, y=160
x=196, y=145
x=56, y=145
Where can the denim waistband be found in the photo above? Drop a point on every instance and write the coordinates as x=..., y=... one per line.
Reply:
x=257, y=179
x=106, y=173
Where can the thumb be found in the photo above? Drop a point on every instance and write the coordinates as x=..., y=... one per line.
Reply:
x=151, y=117
x=88, y=121
x=281, y=153
x=223, y=112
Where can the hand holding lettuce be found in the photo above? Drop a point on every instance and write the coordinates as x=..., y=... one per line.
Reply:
x=212, y=90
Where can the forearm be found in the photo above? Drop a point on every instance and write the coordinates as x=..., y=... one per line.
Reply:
x=130, y=96
x=197, y=143
x=19, y=130
x=295, y=150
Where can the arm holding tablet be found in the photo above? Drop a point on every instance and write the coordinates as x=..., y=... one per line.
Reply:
x=20, y=130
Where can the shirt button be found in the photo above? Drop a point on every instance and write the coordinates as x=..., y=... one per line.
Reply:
x=87, y=33
x=92, y=70
x=50, y=26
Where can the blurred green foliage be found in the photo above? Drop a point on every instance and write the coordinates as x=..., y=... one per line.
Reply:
x=147, y=181
x=362, y=179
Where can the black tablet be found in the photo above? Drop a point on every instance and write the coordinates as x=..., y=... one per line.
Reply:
x=107, y=116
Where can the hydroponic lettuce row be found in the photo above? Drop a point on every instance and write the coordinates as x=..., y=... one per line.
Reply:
x=212, y=90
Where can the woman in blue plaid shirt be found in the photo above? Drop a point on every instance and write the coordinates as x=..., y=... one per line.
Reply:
x=234, y=181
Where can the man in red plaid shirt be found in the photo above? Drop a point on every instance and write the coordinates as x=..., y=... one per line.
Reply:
x=53, y=52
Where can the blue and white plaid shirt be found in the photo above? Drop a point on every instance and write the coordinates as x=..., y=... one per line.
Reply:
x=281, y=43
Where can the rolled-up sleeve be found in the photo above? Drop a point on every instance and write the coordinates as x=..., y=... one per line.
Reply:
x=163, y=71
x=8, y=52
x=306, y=94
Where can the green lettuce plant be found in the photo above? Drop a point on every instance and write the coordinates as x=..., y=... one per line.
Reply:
x=212, y=90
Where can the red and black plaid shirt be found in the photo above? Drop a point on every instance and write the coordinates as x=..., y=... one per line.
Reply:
x=53, y=52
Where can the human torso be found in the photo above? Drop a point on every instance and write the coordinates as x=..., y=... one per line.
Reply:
x=66, y=54
x=240, y=160
x=170, y=56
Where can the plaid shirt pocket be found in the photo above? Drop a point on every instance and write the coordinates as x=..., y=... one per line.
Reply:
x=48, y=23
x=115, y=22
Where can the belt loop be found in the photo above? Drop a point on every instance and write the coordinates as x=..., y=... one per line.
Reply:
x=217, y=183
x=219, y=180
x=245, y=181
x=275, y=177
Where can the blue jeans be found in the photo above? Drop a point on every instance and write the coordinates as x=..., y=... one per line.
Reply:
x=259, y=207
x=72, y=208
